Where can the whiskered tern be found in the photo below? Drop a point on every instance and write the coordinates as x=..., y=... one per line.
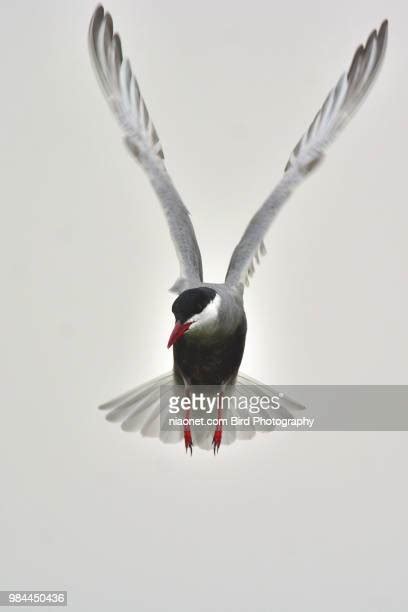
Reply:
x=208, y=337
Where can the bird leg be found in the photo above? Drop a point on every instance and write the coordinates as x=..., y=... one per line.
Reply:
x=188, y=440
x=218, y=429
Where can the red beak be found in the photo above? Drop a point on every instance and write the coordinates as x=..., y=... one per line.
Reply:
x=177, y=333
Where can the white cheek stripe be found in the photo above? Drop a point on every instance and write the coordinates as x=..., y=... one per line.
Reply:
x=208, y=315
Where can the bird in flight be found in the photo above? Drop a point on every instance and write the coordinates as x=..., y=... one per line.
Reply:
x=208, y=337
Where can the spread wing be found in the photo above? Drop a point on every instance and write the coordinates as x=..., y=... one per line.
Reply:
x=123, y=96
x=337, y=109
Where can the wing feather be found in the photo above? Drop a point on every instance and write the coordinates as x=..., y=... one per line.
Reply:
x=123, y=95
x=337, y=109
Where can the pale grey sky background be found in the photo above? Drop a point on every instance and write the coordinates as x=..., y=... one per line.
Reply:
x=313, y=521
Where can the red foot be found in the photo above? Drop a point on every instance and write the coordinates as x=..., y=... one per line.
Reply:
x=188, y=441
x=217, y=440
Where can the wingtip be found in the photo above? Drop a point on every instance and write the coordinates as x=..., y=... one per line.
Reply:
x=99, y=10
x=109, y=23
x=96, y=19
x=97, y=15
x=383, y=32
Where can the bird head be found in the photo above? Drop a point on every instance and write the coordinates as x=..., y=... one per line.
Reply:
x=194, y=310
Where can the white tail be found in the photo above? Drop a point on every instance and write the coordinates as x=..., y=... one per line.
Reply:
x=141, y=410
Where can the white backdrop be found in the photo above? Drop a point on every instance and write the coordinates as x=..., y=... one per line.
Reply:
x=311, y=521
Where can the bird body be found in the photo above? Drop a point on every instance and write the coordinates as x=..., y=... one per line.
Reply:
x=211, y=353
x=208, y=338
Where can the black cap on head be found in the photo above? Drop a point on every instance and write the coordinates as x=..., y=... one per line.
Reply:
x=191, y=302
